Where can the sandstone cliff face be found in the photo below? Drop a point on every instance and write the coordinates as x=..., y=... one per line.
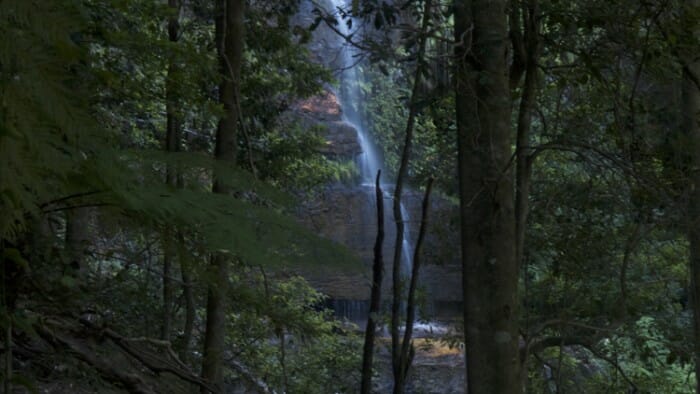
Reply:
x=323, y=111
x=347, y=215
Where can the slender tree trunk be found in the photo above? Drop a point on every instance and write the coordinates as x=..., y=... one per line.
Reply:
x=489, y=265
x=690, y=155
x=172, y=144
x=8, y=296
x=7, y=384
x=376, y=293
x=230, y=43
x=397, y=361
x=168, y=257
x=527, y=105
x=214, y=339
x=77, y=238
x=173, y=137
x=529, y=49
x=283, y=360
x=691, y=127
x=188, y=293
x=407, y=349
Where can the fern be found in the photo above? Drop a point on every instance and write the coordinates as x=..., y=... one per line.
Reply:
x=45, y=127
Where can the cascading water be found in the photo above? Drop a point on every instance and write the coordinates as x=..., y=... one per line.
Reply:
x=369, y=162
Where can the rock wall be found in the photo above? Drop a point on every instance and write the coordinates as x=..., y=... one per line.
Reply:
x=347, y=214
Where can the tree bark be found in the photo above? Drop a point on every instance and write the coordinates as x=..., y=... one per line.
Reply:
x=230, y=42
x=188, y=293
x=527, y=105
x=691, y=127
x=376, y=293
x=77, y=238
x=489, y=265
x=7, y=384
x=172, y=144
x=407, y=349
x=690, y=154
x=529, y=48
x=167, y=287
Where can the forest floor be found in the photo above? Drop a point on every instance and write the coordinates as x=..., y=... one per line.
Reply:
x=438, y=366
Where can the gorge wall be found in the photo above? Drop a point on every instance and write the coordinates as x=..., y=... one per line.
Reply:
x=346, y=213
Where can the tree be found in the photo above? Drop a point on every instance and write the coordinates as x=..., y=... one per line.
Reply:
x=85, y=206
x=527, y=47
x=490, y=273
x=402, y=350
x=230, y=41
x=691, y=127
x=375, y=294
x=172, y=144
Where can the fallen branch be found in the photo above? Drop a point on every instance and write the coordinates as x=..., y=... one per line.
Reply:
x=155, y=363
x=131, y=382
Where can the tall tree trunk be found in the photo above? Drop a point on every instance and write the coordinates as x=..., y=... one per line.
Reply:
x=230, y=42
x=7, y=384
x=400, y=365
x=407, y=349
x=489, y=265
x=188, y=293
x=530, y=48
x=691, y=127
x=167, y=287
x=7, y=311
x=527, y=105
x=691, y=105
x=376, y=293
x=690, y=156
x=77, y=238
x=172, y=144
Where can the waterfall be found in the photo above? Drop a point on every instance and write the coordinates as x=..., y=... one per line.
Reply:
x=369, y=161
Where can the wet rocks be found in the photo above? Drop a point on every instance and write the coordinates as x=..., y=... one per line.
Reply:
x=341, y=140
x=347, y=215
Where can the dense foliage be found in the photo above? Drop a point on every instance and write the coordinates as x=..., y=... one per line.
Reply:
x=87, y=214
x=90, y=214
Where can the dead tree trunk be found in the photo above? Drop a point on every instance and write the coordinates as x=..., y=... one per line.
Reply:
x=407, y=349
x=376, y=294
